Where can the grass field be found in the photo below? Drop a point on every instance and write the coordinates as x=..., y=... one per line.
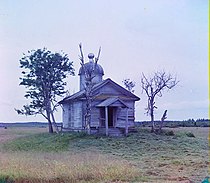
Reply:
x=33, y=155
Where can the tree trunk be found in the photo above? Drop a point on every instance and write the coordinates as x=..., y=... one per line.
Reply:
x=54, y=123
x=49, y=122
x=53, y=118
x=48, y=112
x=153, y=122
x=88, y=116
x=50, y=127
x=88, y=106
x=152, y=114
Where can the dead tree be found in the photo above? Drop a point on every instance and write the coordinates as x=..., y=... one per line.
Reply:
x=89, y=75
x=154, y=86
x=162, y=120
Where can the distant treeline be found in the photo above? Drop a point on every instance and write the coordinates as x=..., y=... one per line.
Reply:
x=26, y=124
x=173, y=124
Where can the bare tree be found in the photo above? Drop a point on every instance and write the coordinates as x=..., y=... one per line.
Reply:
x=89, y=75
x=153, y=87
x=129, y=84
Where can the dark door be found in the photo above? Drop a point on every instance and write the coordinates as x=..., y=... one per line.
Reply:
x=102, y=117
x=110, y=116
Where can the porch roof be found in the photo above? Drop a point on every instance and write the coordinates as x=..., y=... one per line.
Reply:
x=114, y=102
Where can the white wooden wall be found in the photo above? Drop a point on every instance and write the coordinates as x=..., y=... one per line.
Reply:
x=65, y=115
x=72, y=115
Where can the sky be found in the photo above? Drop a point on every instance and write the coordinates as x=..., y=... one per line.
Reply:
x=136, y=36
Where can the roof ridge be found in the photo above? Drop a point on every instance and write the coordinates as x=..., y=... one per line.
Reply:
x=99, y=85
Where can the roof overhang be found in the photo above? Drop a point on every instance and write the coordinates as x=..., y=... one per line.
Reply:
x=113, y=102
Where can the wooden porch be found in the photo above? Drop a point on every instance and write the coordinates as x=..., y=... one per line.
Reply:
x=108, y=109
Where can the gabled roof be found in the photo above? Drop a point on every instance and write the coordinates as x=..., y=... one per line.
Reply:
x=114, y=101
x=81, y=94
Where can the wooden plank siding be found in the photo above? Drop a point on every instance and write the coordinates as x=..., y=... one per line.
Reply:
x=121, y=116
x=106, y=95
x=65, y=115
x=75, y=115
x=95, y=117
x=108, y=91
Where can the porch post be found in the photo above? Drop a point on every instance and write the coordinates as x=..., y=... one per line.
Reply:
x=126, y=122
x=106, y=121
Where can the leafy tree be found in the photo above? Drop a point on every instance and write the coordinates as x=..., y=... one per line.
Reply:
x=43, y=74
x=129, y=84
x=153, y=87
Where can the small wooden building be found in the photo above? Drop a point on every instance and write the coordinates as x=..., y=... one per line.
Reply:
x=113, y=107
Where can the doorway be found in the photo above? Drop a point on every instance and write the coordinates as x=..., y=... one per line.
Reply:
x=111, y=116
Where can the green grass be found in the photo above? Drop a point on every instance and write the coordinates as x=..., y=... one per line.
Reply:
x=77, y=157
x=43, y=142
x=132, y=146
x=5, y=179
x=138, y=143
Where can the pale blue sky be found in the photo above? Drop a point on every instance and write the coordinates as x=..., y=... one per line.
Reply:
x=136, y=36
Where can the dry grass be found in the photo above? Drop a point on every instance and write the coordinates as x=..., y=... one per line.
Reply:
x=66, y=167
x=142, y=157
x=14, y=132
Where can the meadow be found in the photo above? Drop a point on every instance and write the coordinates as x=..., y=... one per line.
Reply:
x=30, y=154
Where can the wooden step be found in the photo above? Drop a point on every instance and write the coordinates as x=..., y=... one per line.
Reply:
x=112, y=131
x=132, y=130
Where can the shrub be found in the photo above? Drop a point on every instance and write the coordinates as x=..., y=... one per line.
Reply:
x=169, y=133
x=190, y=134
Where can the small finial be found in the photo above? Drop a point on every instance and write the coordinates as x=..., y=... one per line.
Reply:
x=90, y=56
